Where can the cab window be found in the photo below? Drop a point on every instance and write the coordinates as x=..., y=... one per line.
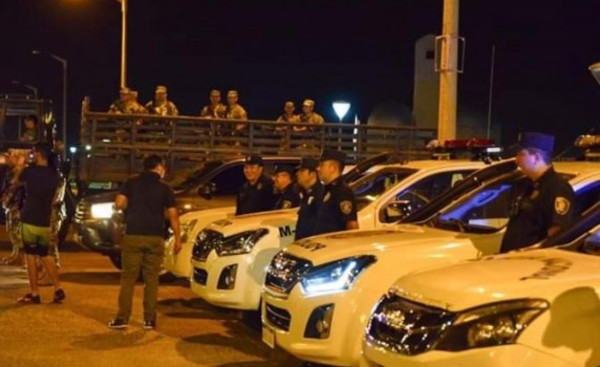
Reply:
x=229, y=181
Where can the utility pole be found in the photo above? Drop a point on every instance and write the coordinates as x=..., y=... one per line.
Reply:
x=123, y=43
x=448, y=69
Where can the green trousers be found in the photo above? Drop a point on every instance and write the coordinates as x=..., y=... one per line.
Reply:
x=143, y=253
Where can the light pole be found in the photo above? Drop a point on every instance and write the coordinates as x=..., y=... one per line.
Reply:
x=64, y=64
x=123, y=43
x=30, y=87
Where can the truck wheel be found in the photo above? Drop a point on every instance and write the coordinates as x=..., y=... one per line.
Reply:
x=115, y=259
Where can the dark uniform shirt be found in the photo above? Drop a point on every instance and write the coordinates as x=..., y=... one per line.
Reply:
x=256, y=198
x=544, y=203
x=147, y=199
x=310, y=200
x=40, y=183
x=338, y=207
x=289, y=198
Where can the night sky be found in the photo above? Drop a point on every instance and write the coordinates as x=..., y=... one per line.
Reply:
x=272, y=51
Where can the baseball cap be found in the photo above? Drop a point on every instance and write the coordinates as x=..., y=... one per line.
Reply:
x=254, y=159
x=308, y=102
x=161, y=89
x=535, y=140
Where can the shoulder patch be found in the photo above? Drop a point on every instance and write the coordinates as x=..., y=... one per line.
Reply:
x=561, y=205
x=346, y=207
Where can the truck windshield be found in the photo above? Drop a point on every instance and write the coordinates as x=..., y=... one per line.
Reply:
x=370, y=187
x=197, y=176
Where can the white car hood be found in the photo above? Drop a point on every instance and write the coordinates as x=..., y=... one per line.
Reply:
x=326, y=248
x=541, y=274
x=234, y=225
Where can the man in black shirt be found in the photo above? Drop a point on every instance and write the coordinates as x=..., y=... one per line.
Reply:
x=311, y=196
x=283, y=180
x=40, y=182
x=257, y=193
x=146, y=198
x=546, y=205
x=338, y=207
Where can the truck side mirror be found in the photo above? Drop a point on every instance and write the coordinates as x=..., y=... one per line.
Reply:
x=207, y=190
x=396, y=210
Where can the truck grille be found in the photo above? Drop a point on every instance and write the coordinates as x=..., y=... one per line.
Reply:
x=200, y=276
x=406, y=327
x=285, y=271
x=278, y=317
x=206, y=241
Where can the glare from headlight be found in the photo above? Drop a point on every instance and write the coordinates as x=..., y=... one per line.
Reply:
x=102, y=210
x=334, y=277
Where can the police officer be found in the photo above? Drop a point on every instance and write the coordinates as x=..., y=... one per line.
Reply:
x=311, y=197
x=545, y=206
x=257, y=193
x=283, y=180
x=338, y=206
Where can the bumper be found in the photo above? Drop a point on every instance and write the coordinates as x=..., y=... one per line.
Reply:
x=96, y=235
x=347, y=322
x=178, y=264
x=244, y=293
x=505, y=356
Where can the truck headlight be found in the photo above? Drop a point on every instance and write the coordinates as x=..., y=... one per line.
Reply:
x=186, y=229
x=336, y=276
x=491, y=325
x=241, y=243
x=102, y=210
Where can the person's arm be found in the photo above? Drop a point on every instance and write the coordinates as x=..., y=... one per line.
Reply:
x=563, y=210
x=174, y=221
x=348, y=208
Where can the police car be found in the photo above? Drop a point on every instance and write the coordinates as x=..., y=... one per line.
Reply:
x=528, y=308
x=230, y=256
x=319, y=292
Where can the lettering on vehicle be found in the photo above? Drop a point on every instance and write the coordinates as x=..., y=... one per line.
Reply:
x=286, y=231
x=309, y=245
x=553, y=266
x=222, y=223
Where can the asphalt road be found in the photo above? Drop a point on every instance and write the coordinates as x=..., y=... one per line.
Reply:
x=189, y=333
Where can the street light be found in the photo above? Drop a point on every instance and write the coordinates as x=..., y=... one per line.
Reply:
x=123, y=43
x=30, y=87
x=64, y=64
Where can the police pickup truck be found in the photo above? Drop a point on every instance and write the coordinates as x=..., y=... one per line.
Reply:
x=319, y=292
x=529, y=308
x=230, y=256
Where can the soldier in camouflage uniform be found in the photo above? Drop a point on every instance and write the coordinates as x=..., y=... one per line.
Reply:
x=216, y=109
x=133, y=106
x=12, y=201
x=120, y=105
x=235, y=111
x=161, y=106
x=309, y=115
x=287, y=116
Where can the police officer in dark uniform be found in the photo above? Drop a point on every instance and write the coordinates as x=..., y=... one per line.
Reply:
x=338, y=206
x=311, y=196
x=283, y=179
x=546, y=205
x=257, y=193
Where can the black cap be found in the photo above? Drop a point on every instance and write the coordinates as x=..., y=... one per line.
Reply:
x=308, y=163
x=284, y=168
x=254, y=159
x=539, y=141
x=333, y=155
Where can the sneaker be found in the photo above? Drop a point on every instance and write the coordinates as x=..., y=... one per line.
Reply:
x=149, y=324
x=117, y=324
x=59, y=296
x=29, y=298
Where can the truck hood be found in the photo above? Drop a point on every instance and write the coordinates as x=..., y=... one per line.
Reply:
x=274, y=219
x=105, y=197
x=541, y=274
x=326, y=248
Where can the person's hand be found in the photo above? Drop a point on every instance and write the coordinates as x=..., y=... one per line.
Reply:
x=177, y=246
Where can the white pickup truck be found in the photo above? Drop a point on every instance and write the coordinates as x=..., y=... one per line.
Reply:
x=319, y=292
x=230, y=256
x=530, y=308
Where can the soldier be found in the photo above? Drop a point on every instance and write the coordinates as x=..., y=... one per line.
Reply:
x=311, y=197
x=257, y=193
x=12, y=201
x=215, y=110
x=133, y=106
x=309, y=115
x=234, y=111
x=31, y=129
x=283, y=179
x=338, y=207
x=161, y=105
x=288, y=115
x=546, y=205
x=120, y=105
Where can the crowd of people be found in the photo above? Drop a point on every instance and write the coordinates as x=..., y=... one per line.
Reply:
x=160, y=105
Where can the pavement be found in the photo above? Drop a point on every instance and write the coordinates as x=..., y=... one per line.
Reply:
x=74, y=333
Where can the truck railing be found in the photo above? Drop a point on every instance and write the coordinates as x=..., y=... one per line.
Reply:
x=113, y=144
